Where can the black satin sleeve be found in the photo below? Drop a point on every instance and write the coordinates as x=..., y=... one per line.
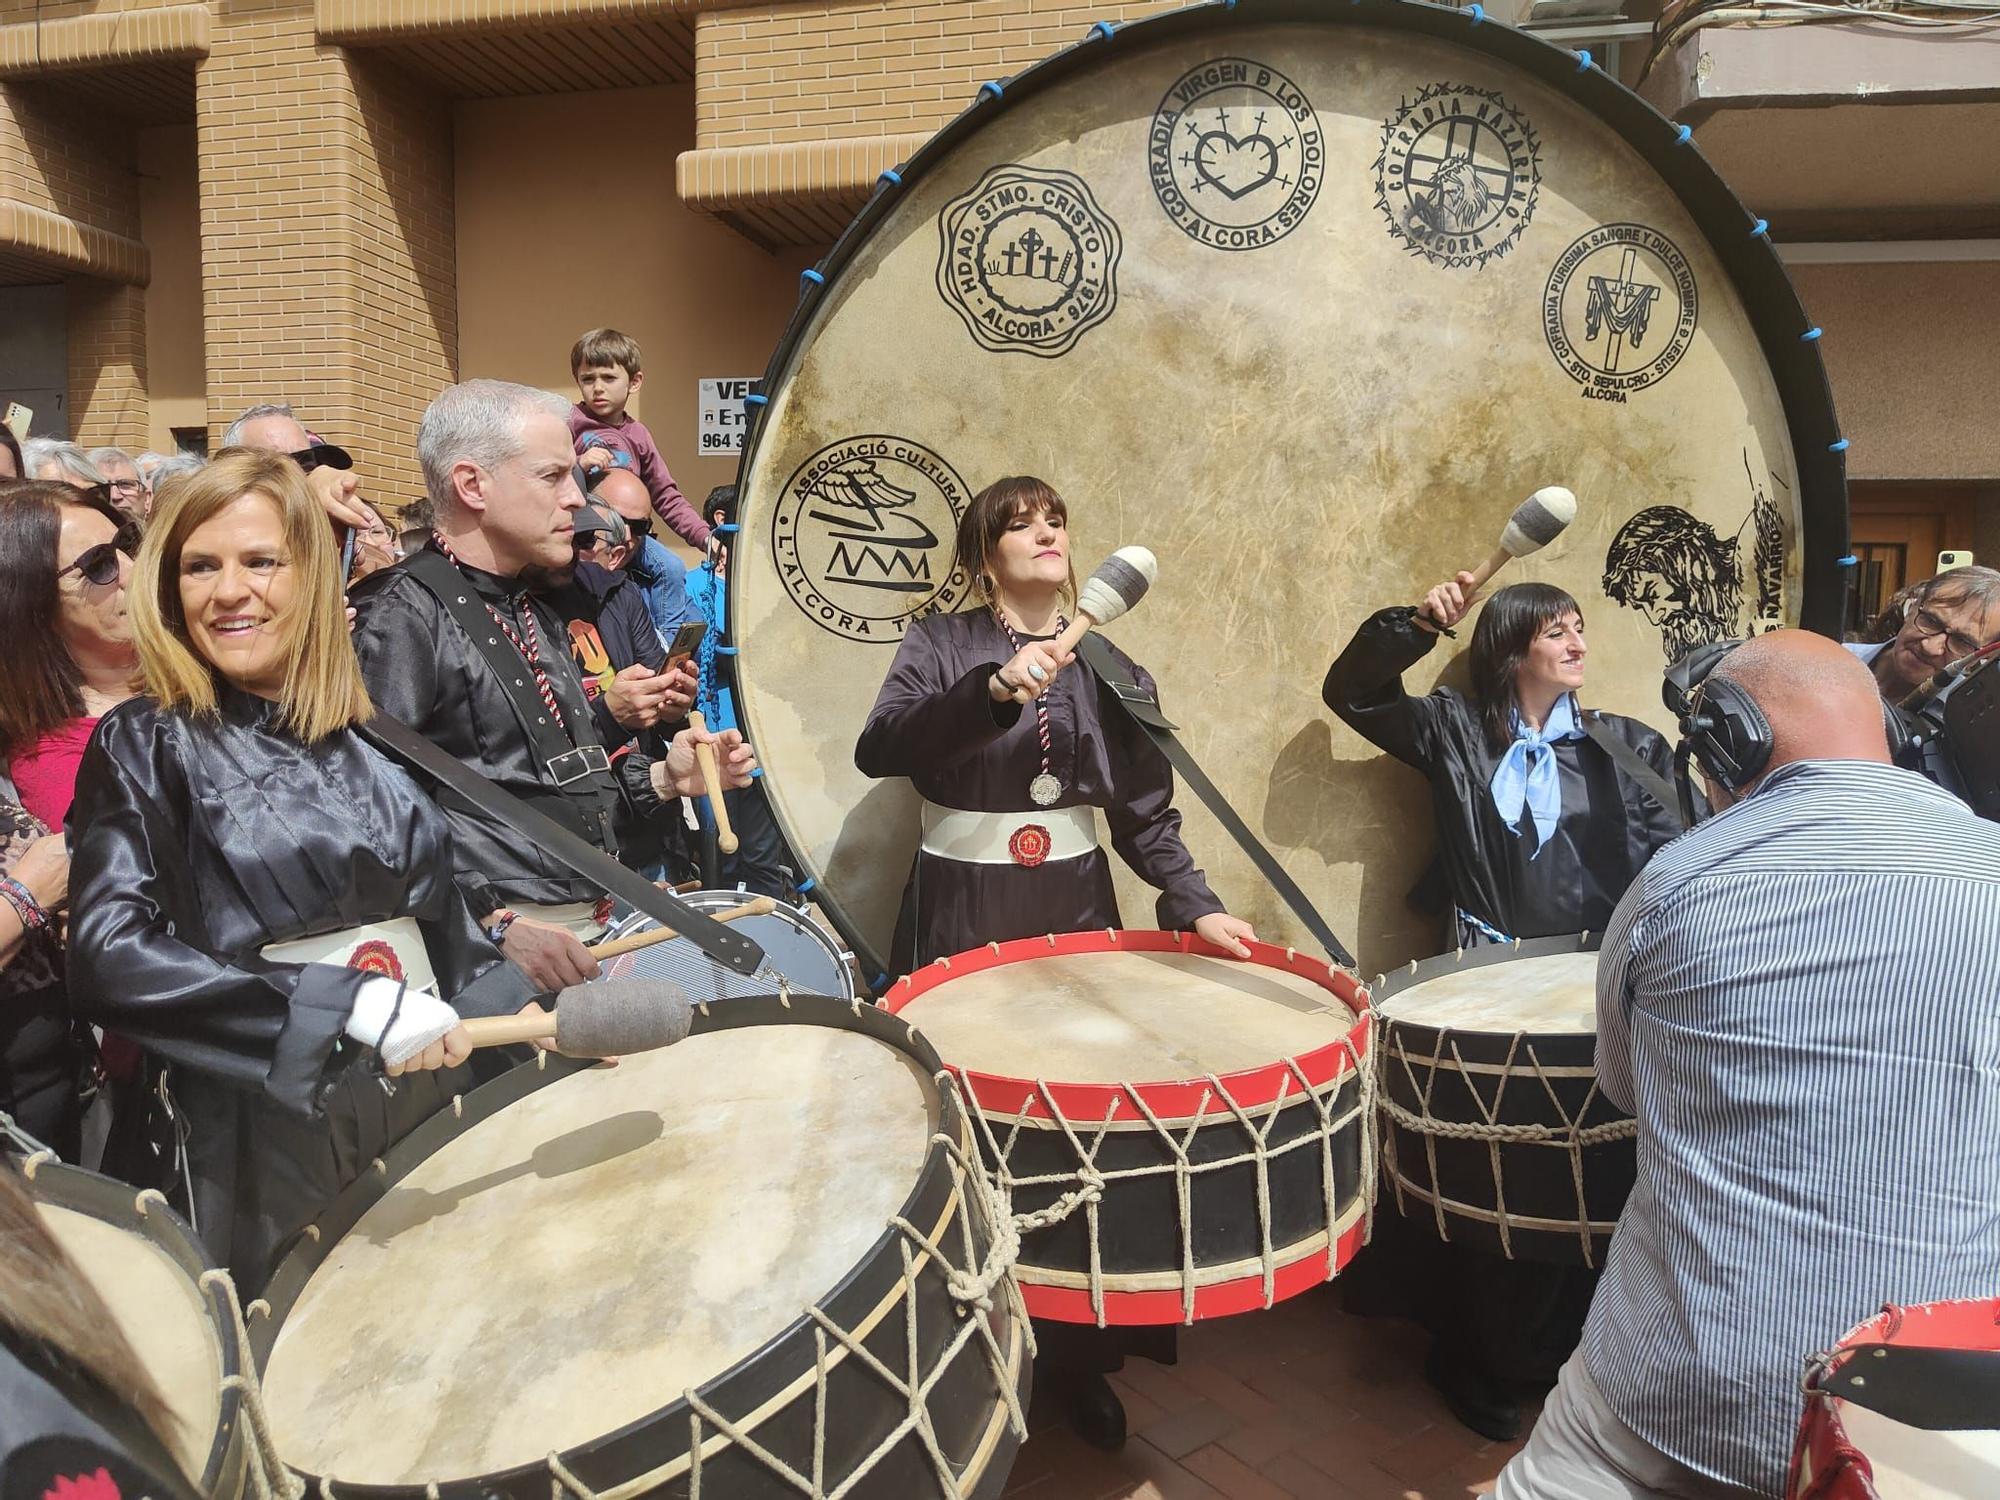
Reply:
x=136, y=961
x=925, y=717
x=1364, y=686
x=397, y=641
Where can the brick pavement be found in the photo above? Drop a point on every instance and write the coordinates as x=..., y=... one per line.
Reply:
x=1303, y=1401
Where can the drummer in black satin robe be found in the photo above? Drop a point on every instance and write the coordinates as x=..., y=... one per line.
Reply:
x=1011, y=791
x=1015, y=752
x=1539, y=833
x=1539, y=830
x=258, y=894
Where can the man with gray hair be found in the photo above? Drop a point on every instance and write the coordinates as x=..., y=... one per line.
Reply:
x=453, y=644
x=121, y=474
x=61, y=462
x=1946, y=620
x=275, y=428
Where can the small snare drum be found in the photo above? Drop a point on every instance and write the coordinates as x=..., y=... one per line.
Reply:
x=1493, y=1126
x=1188, y=1133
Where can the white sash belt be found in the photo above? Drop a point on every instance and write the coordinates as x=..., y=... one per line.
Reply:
x=579, y=917
x=1013, y=838
x=394, y=948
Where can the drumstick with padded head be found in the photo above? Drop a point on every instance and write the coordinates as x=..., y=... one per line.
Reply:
x=1537, y=521
x=1120, y=582
x=704, y=755
x=610, y=1018
x=757, y=906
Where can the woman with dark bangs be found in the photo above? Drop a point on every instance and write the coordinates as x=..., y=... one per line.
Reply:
x=950, y=717
x=1539, y=833
x=981, y=713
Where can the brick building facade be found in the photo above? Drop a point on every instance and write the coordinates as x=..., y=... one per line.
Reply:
x=347, y=203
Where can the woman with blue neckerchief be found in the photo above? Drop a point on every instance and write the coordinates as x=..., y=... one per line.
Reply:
x=1539, y=833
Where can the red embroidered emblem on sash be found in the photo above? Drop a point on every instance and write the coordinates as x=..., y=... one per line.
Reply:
x=376, y=957
x=1030, y=845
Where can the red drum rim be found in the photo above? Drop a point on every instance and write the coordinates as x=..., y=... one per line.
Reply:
x=1217, y=1299
x=1967, y=1323
x=1176, y=1098
x=1824, y=1462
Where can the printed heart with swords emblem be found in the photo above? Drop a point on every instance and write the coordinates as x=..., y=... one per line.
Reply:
x=1235, y=166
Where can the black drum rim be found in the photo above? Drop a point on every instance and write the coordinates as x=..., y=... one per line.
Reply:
x=1417, y=971
x=669, y=1423
x=117, y=1203
x=1737, y=236
x=1431, y=1037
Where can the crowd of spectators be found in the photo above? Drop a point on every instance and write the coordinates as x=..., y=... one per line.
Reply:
x=71, y=522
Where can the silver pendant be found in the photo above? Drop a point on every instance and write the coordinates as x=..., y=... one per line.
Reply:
x=1044, y=790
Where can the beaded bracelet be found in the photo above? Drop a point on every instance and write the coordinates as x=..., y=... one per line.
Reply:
x=34, y=916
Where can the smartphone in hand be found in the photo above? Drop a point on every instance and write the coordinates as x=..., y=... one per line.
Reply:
x=687, y=641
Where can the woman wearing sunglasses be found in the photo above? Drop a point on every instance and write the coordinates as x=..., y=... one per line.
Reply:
x=68, y=660
x=65, y=557
x=260, y=898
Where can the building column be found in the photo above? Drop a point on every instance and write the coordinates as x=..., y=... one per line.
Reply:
x=107, y=364
x=327, y=237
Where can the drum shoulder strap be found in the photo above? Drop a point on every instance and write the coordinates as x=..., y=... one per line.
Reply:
x=455, y=594
x=1144, y=709
x=1634, y=765
x=402, y=743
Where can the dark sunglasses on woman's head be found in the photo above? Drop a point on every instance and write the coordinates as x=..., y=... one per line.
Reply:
x=99, y=564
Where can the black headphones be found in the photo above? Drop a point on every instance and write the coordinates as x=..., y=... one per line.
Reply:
x=1721, y=725
x=1725, y=731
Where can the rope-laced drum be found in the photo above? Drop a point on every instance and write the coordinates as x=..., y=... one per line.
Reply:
x=1493, y=1125
x=1183, y=1135
x=762, y=1262
x=1907, y=1407
x=1304, y=297
x=174, y=1308
x=794, y=944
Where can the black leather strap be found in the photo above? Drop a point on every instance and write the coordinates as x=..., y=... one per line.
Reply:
x=584, y=801
x=1628, y=760
x=1145, y=711
x=720, y=942
x=1939, y=1390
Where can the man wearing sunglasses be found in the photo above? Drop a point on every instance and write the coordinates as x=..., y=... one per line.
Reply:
x=1946, y=620
x=659, y=576
x=272, y=426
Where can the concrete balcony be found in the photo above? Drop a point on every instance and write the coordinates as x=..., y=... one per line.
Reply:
x=1862, y=129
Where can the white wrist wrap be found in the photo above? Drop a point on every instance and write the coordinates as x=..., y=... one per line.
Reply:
x=422, y=1019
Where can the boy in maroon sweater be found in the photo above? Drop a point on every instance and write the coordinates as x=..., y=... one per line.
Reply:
x=605, y=363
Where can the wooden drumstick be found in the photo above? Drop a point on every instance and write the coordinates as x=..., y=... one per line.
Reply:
x=613, y=947
x=704, y=754
x=1537, y=521
x=1120, y=582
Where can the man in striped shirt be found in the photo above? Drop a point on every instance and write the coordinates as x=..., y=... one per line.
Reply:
x=1800, y=1001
